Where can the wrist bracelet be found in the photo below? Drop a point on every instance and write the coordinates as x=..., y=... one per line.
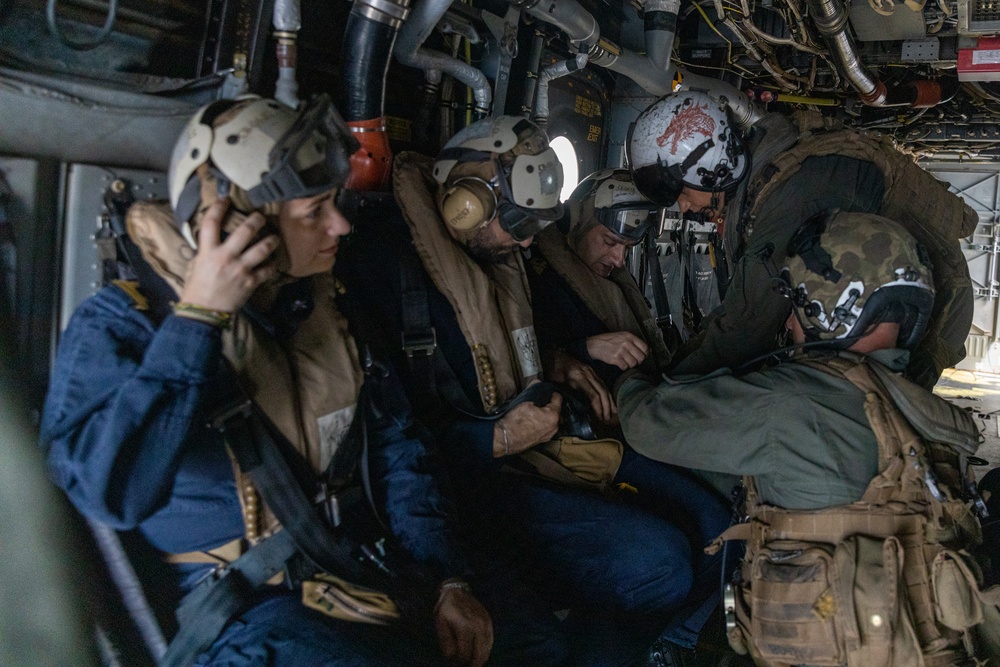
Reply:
x=506, y=441
x=455, y=585
x=217, y=318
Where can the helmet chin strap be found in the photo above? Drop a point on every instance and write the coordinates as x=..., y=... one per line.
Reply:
x=789, y=349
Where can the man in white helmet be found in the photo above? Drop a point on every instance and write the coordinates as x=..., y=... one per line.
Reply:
x=684, y=150
x=593, y=323
x=857, y=496
x=441, y=274
x=221, y=407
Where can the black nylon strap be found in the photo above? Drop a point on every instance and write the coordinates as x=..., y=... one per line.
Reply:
x=656, y=277
x=419, y=338
x=257, y=446
x=207, y=609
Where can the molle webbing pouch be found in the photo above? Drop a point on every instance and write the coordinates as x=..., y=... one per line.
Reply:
x=875, y=582
x=831, y=605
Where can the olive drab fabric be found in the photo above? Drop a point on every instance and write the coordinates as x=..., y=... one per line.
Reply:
x=307, y=385
x=492, y=301
x=616, y=300
x=914, y=199
x=882, y=581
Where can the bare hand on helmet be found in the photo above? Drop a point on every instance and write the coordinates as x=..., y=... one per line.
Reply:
x=582, y=377
x=619, y=348
x=223, y=274
x=526, y=425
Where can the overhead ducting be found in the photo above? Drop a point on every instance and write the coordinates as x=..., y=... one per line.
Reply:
x=369, y=36
x=653, y=72
x=410, y=52
x=547, y=75
x=831, y=17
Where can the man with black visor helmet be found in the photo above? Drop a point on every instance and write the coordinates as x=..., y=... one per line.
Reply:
x=684, y=150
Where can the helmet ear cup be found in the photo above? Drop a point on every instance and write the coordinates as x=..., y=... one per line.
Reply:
x=468, y=203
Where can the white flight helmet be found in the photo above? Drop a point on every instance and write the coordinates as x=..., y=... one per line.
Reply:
x=610, y=197
x=266, y=149
x=524, y=191
x=686, y=139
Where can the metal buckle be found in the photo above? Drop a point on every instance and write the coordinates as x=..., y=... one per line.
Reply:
x=729, y=606
x=240, y=407
x=424, y=341
x=329, y=505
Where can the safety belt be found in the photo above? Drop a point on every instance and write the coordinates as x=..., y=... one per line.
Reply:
x=428, y=369
x=261, y=451
x=664, y=319
x=419, y=338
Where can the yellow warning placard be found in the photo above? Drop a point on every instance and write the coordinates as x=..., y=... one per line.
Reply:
x=398, y=129
x=587, y=107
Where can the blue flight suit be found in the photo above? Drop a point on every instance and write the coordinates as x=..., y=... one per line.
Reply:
x=564, y=322
x=613, y=560
x=125, y=426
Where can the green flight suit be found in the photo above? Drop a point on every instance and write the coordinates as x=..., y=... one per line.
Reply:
x=752, y=314
x=801, y=432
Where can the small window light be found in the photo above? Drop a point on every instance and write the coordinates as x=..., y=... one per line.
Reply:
x=571, y=170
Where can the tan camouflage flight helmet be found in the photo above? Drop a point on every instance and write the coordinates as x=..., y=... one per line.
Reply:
x=848, y=271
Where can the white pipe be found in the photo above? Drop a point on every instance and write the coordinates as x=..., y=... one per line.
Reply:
x=554, y=71
x=409, y=51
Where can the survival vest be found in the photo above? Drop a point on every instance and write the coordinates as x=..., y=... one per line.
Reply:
x=881, y=581
x=492, y=302
x=616, y=300
x=913, y=198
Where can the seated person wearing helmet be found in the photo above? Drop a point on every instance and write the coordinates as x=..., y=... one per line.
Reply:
x=443, y=274
x=821, y=438
x=684, y=149
x=593, y=323
x=586, y=304
x=137, y=382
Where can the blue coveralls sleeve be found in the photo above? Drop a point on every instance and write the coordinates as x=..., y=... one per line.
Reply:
x=407, y=482
x=122, y=400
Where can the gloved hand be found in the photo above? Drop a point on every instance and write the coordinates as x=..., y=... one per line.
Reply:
x=464, y=627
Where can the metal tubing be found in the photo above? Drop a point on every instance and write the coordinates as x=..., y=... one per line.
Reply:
x=287, y=21
x=534, y=65
x=660, y=25
x=579, y=25
x=830, y=17
x=409, y=52
x=554, y=71
x=581, y=28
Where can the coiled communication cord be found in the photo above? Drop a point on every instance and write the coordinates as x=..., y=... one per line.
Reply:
x=102, y=36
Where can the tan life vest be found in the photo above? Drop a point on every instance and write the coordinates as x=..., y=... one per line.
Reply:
x=616, y=300
x=881, y=581
x=492, y=302
x=307, y=386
